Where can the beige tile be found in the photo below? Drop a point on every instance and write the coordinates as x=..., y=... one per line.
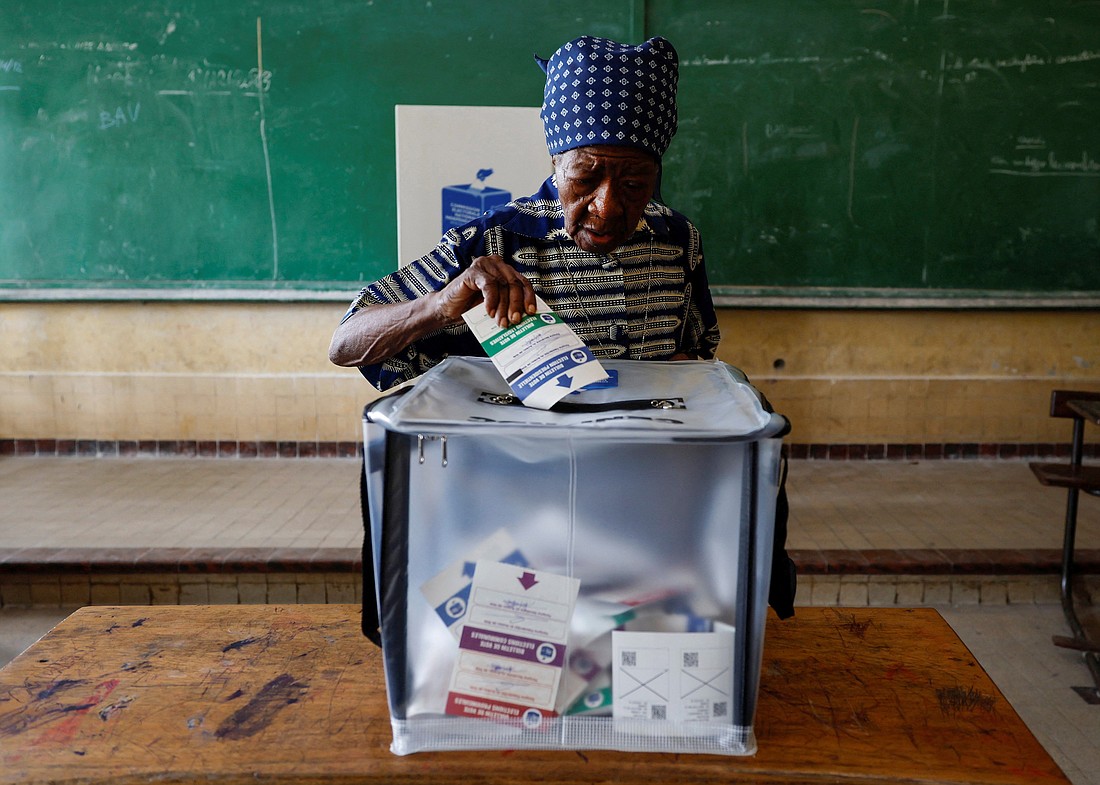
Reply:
x=46, y=591
x=824, y=591
x=909, y=592
x=311, y=591
x=993, y=591
x=340, y=590
x=937, y=590
x=853, y=591
x=965, y=591
x=282, y=590
x=1020, y=590
x=222, y=589
x=882, y=590
x=133, y=592
x=76, y=590
x=15, y=593
x=194, y=593
x=252, y=592
x=165, y=592
x=106, y=593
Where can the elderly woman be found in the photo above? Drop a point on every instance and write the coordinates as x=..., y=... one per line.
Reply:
x=624, y=271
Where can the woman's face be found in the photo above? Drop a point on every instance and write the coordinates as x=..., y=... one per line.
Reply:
x=604, y=190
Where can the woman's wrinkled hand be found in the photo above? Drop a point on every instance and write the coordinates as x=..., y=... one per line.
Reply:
x=508, y=295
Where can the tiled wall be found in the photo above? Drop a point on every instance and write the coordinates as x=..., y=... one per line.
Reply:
x=226, y=372
x=916, y=377
x=239, y=372
x=44, y=590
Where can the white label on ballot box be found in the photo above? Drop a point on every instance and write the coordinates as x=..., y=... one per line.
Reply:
x=512, y=647
x=672, y=676
x=541, y=358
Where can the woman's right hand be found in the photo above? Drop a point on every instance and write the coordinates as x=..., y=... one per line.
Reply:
x=508, y=296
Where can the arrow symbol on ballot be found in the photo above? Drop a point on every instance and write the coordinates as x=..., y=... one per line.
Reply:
x=565, y=380
x=527, y=580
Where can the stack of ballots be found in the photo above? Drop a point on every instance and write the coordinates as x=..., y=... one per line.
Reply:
x=593, y=576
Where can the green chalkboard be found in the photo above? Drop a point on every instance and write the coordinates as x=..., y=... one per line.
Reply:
x=237, y=143
x=828, y=149
x=890, y=148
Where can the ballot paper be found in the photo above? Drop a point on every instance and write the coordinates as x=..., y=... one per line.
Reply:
x=597, y=700
x=671, y=677
x=597, y=615
x=448, y=592
x=513, y=644
x=541, y=358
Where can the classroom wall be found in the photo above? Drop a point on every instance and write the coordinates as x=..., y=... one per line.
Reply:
x=259, y=372
x=916, y=377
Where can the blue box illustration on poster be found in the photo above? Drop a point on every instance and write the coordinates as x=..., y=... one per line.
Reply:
x=463, y=203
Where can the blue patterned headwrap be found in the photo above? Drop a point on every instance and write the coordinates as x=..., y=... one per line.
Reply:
x=602, y=92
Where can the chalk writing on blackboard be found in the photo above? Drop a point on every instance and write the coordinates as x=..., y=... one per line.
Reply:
x=1032, y=157
x=84, y=46
x=120, y=73
x=1049, y=165
x=11, y=66
x=120, y=116
x=215, y=78
x=103, y=46
x=178, y=77
x=949, y=61
x=767, y=59
x=781, y=131
x=1021, y=62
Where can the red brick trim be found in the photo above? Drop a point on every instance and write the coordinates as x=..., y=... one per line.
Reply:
x=272, y=449
x=151, y=448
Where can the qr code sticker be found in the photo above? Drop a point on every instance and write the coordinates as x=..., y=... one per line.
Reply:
x=658, y=712
x=691, y=659
x=630, y=659
x=719, y=709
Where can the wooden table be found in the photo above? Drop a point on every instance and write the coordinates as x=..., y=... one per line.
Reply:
x=253, y=693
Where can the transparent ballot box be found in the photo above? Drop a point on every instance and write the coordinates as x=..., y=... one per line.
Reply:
x=594, y=576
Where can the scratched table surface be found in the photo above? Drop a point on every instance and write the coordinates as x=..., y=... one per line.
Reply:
x=254, y=693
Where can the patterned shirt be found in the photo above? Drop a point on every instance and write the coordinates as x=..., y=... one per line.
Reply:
x=648, y=300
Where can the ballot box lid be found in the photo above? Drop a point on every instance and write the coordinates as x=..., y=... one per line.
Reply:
x=700, y=399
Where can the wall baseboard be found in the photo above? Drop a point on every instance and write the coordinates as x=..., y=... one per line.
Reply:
x=152, y=448
x=934, y=451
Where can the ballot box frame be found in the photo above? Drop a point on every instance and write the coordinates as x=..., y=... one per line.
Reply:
x=389, y=491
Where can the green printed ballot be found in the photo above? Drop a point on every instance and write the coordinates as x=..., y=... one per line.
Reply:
x=541, y=358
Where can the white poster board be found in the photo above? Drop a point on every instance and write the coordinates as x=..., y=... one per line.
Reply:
x=443, y=146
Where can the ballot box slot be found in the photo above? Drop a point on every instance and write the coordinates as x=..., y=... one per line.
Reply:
x=572, y=407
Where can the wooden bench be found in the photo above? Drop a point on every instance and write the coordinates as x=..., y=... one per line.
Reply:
x=1074, y=476
x=248, y=693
